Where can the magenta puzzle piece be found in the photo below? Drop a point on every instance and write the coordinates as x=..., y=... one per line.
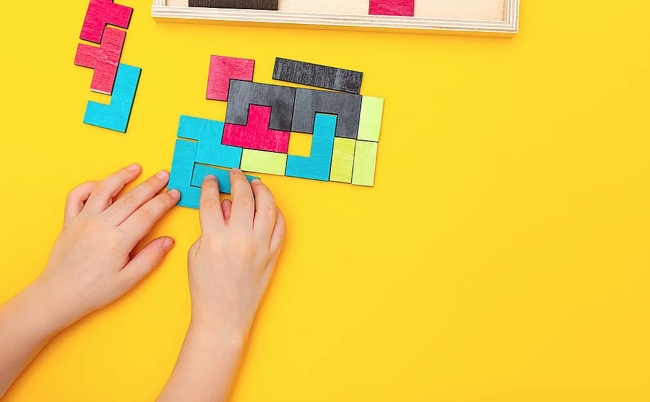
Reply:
x=404, y=8
x=101, y=13
x=104, y=59
x=256, y=134
x=222, y=70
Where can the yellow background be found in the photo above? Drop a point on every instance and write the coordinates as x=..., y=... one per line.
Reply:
x=502, y=256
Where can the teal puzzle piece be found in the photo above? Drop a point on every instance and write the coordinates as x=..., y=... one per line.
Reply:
x=180, y=177
x=201, y=171
x=209, y=133
x=317, y=166
x=116, y=115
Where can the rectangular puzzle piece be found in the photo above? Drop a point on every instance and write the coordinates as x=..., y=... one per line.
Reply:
x=245, y=4
x=372, y=110
x=347, y=108
x=242, y=94
x=180, y=175
x=365, y=162
x=223, y=176
x=117, y=114
x=403, y=8
x=315, y=75
x=263, y=162
x=342, y=160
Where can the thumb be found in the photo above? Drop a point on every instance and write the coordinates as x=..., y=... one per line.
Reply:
x=146, y=260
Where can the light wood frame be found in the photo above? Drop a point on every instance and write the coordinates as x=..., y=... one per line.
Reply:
x=431, y=16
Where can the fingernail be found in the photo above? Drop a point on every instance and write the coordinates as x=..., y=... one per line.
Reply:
x=256, y=181
x=210, y=177
x=134, y=166
x=168, y=244
x=174, y=193
x=236, y=171
x=162, y=175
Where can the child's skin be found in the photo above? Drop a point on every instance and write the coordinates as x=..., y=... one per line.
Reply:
x=92, y=264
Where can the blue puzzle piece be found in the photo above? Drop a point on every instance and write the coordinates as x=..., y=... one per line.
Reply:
x=180, y=177
x=209, y=134
x=200, y=171
x=317, y=166
x=116, y=115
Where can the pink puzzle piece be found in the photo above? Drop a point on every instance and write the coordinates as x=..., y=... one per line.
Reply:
x=104, y=59
x=222, y=70
x=256, y=134
x=404, y=8
x=99, y=14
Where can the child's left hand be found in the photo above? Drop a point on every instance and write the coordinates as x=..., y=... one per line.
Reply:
x=92, y=262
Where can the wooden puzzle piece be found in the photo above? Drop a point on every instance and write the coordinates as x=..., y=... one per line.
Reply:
x=310, y=101
x=222, y=70
x=223, y=176
x=317, y=166
x=210, y=150
x=342, y=160
x=256, y=134
x=116, y=115
x=104, y=59
x=365, y=162
x=316, y=75
x=404, y=8
x=263, y=162
x=101, y=13
x=372, y=110
x=281, y=99
x=248, y=4
x=180, y=175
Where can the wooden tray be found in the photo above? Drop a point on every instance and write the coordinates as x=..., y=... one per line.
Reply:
x=431, y=16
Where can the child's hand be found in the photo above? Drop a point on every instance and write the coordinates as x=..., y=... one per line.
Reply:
x=231, y=264
x=92, y=263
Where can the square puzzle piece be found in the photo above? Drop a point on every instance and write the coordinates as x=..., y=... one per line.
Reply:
x=222, y=70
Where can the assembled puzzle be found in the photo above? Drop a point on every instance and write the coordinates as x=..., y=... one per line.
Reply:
x=261, y=119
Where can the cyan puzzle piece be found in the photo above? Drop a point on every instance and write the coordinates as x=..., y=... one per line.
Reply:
x=180, y=177
x=115, y=116
x=209, y=134
x=201, y=171
x=317, y=166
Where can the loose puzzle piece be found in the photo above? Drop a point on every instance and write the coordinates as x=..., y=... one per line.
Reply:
x=263, y=162
x=281, y=100
x=372, y=110
x=101, y=13
x=257, y=135
x=222, y=70
x=180, y=175
x=310, y=101
x=404, y=8
x=315, y=75
x=210, y=150
x=104, y=59
x=116, y=115
x=365, y=160
x=250, y=4
x=223, y=176
x=317, y=166
x=342, y=160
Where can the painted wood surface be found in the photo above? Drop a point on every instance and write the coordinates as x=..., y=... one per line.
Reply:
x=104, y=59
x=347, y=107
x=180, y=174
x=342, y=160
x=372, y=110
x=222, y=175
x=318, y=165
x=101, y=13
x=315, y=75
x=403, y=8
x=256, y=134
x=365, y=162
x=222, y=70
x=280, y=98
x=116, y=115
x=240, y=4
x=209, y=134
x=263, y=162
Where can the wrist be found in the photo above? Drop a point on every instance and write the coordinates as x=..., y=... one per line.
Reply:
x=217, y=331
x=51, y=305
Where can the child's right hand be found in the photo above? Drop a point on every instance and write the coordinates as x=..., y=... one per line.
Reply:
x=231, y=263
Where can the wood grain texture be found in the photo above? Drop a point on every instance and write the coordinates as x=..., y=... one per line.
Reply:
x=240, y=4
x=209, y=134
x=342, y=160
x=315, y=75
x=223, y=176
x=222, y=70
x=372, y=110
x=101, y=13
x=310, y=101
x=365, y=162
x=242, y=94
x=180, y=174
x=318, y=165
x=117, y=114
x=104, y=59
x=256, y=134
x=263, y=162
x=403, y=8
x=431, y=16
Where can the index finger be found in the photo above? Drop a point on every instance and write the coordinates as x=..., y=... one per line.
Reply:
x=243, y=203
